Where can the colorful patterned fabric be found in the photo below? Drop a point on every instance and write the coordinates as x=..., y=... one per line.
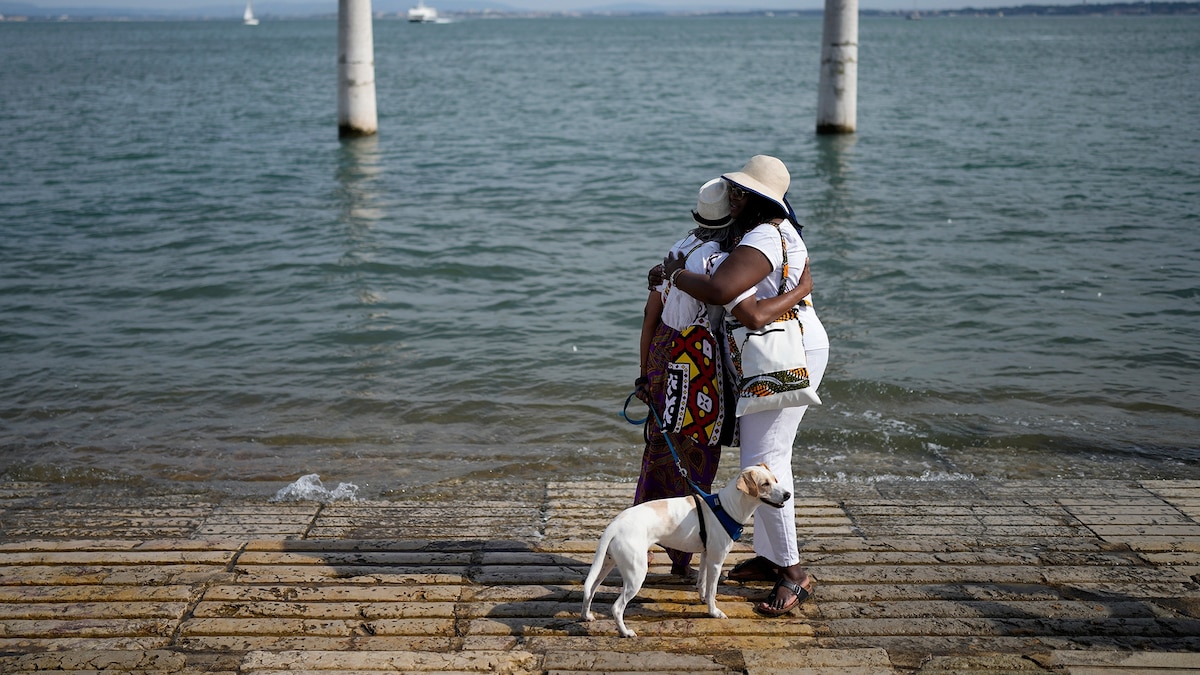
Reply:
x=659, y=478
x=692, y=386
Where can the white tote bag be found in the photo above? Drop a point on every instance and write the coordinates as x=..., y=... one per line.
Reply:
x=770, y=363
x=771, y=366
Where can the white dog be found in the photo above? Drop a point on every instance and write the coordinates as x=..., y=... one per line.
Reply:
x=675, y=523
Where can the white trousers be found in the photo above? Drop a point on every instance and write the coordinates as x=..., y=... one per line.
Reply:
x=767, y=438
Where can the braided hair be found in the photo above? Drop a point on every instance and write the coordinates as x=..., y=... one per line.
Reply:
x=756, y=211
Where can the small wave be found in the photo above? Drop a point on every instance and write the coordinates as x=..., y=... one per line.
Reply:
x=310, y=489
x=927, y=477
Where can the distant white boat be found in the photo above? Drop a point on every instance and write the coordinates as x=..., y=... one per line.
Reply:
x=248, y=15
x=422, y=14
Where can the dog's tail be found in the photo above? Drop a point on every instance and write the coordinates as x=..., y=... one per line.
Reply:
x=602, y=564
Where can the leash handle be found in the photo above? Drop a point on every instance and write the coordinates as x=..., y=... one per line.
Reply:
x=625, y=411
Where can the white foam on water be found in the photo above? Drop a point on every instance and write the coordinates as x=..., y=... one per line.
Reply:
x=926, y=477
x=310, y=489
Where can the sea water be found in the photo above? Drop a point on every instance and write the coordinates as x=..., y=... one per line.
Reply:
x=201, y=287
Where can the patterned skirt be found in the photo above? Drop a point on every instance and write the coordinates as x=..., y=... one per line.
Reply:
x=660, y=477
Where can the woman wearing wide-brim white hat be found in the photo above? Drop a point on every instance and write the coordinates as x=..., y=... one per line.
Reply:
x=765, y=233
x=766, y=177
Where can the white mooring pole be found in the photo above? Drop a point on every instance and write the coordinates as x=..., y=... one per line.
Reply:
x=356, y=70
x=837, y=91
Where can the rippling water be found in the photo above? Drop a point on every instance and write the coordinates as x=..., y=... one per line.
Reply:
x=203, y=288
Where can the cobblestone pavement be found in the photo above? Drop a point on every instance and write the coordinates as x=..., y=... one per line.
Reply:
x=1066, y=576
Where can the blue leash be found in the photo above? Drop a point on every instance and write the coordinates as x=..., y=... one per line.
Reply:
x=731, y=526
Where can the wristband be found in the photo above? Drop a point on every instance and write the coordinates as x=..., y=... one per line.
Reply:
x=675, y=274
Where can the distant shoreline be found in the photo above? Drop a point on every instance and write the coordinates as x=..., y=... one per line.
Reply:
x=22, y=12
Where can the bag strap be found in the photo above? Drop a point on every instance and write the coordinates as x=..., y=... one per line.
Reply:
x=782, y=245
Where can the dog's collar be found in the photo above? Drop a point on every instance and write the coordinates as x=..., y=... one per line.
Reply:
x=732, y=527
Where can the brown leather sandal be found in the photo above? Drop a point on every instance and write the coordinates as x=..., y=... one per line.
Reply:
x=755, y=569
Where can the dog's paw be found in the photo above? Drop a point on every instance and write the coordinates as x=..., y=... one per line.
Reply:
x=628, y=633
x=717, y=614
x=588, y=617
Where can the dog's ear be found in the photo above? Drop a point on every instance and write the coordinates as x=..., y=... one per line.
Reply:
x=747, y=484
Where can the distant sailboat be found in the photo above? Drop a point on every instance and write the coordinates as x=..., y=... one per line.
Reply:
x=248, y=15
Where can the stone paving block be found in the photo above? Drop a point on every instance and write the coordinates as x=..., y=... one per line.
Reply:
x=393, y=661
x=949, y=592
x=1149, y=592
x=27, y=644
x=646, y=641
x=75, y=545
x=449, y=531
x=831, y=530
x=1130, y=662
x=106, y=627
x=1094, y=574
x=887, y=542
x=1121, y=628
x=315, y=627
x=985, y=664
x=624, y=662
x=1155, y=543
x=83, y=593
x=321, y=545
x=96, y=660
x=1186, y=562
x=351, y=559
x=933, y=608
x=987, y=557
x=312, y=574
x=116, y=558
x=1139, y=529
x=817, y=662
x=28, y=530
x=341, y=593
x=144, y=575
x=560, y=574
x=930, y=574
x=251, y=521
x=979, y=530
x=945, y=490
x=1169, y=517
x=91, y=610
x=325, y=610
x=276, y=643
x=700, y=625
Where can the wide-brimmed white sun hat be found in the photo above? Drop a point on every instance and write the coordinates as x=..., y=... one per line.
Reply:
x=765, y=176
x=712, y=205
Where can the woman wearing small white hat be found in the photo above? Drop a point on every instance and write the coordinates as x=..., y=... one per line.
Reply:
x=669, y=311
x=761, y=217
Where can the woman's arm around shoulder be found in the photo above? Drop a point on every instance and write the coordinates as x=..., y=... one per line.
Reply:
x=744, y=268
